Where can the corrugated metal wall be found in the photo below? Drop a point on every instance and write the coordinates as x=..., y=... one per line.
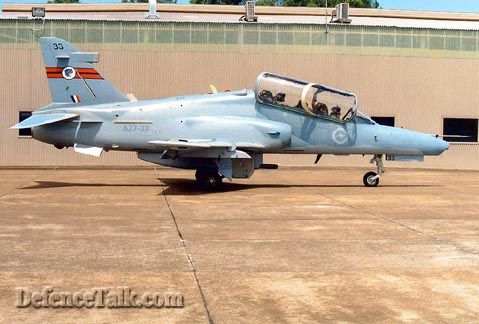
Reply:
x=436, y=75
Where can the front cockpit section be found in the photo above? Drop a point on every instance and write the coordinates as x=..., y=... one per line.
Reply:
x=309, y=98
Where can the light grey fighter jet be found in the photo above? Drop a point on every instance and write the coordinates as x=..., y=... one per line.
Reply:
x=220, y=135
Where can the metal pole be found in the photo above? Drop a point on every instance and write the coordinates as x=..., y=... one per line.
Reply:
x=326, y=17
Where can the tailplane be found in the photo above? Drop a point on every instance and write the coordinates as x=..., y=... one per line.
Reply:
x=72, y=77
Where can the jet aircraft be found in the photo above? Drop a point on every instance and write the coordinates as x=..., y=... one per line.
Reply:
x=220, y=135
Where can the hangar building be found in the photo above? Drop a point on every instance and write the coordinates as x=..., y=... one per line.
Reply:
x=418, y=70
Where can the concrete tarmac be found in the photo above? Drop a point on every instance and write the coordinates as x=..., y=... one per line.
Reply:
x=288, y=245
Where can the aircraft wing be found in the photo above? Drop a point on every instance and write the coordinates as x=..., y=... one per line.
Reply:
x=191, y=144
x=42, y=119
x=200, y=144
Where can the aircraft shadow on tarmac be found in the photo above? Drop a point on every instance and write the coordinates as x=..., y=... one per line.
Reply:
x=177, y=186
x=59, y=184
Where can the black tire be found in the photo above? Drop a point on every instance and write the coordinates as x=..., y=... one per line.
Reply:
x=213, y=181
x=209, y=179
x=200, y=175
x=368, y=181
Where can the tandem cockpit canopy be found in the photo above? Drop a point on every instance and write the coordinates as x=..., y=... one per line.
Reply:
x=311, y=98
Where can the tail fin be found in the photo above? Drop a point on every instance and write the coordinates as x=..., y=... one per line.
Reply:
x=72, y=77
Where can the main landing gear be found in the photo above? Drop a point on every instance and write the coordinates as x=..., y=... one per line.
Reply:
x=371, y=179
x=209, y=178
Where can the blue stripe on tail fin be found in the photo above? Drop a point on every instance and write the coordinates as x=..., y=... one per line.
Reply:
x=72, y=77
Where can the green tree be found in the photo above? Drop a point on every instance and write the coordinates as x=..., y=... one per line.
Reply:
x=266, y=3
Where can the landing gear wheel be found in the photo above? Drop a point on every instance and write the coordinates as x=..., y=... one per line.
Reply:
x=371, y=179
x=213, y=181
x=200, y=175
x=209, y=179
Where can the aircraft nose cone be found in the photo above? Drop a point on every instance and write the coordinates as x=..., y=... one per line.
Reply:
x=443, y=145
x=436, y=146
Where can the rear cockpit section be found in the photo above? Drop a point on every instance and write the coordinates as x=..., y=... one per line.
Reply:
x=311, y=98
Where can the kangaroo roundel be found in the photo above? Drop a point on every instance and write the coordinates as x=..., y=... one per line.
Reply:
x=340, y=136
x=69, y=73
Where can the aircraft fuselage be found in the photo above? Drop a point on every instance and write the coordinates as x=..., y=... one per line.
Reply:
x=232, y=117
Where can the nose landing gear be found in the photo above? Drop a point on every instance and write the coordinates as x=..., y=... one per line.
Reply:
x=371, y=179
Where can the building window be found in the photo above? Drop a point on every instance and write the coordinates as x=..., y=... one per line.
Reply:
x=26, y=132
x=460, y=129
x=386, y=121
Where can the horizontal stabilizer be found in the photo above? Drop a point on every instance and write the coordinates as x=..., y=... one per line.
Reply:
x=88, y=150
x=42, y=119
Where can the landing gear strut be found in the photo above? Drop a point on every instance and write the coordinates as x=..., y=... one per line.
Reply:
x=371, y=179
x=209, y=178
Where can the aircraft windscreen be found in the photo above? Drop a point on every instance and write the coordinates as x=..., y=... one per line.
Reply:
x=363, y=118
x=312, y=98
x=280, y=91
